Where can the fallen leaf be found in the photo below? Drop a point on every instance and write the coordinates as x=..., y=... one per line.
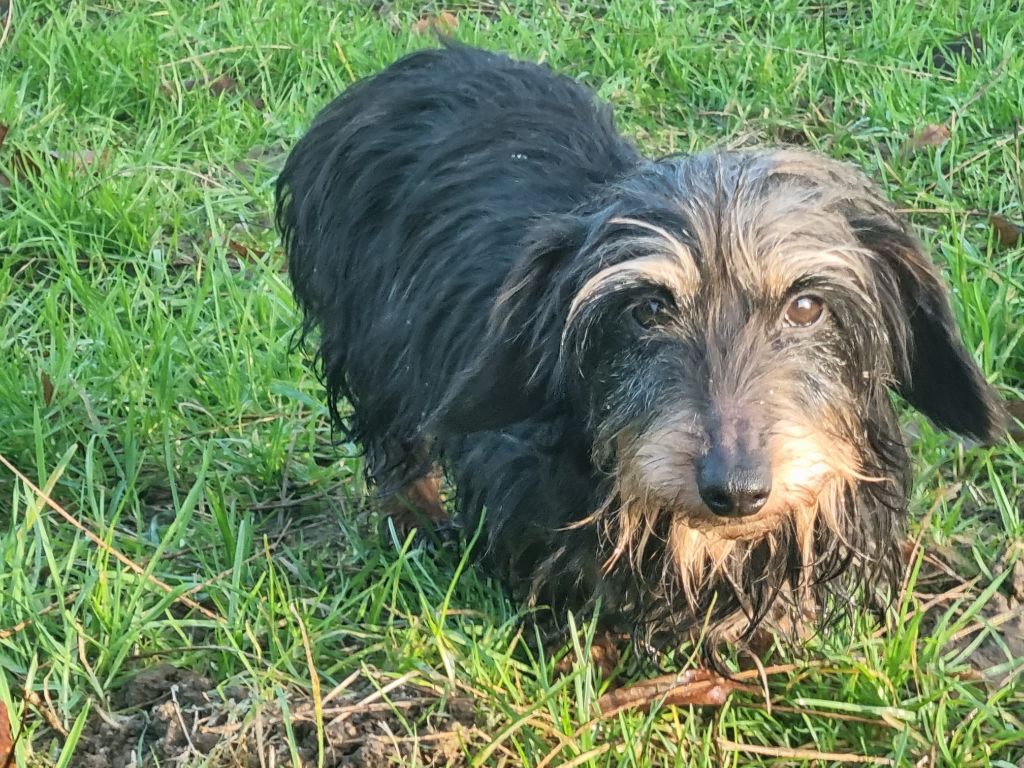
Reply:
x=223, y=84
x=6, y=742
x=944, y=56
x=932, y=135
x=1007, y=232
x=236, y=249
x=244, y=251
x=444, y=22
x=47, y=382
x=216, y=86
x=695, y=687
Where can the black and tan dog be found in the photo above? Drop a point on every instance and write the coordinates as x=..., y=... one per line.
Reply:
x=666, y=381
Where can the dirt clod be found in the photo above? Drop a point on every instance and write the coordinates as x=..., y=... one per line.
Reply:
x=173, y=717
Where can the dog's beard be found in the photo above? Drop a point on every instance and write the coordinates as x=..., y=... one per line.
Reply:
x=700, y=573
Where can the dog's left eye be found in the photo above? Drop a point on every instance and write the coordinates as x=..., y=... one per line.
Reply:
x=650, y=312
x=803, y=312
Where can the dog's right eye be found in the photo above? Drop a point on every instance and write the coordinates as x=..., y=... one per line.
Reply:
x=803, y=312
x=650, y=312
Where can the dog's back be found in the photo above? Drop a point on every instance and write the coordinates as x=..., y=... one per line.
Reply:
x=402, y=209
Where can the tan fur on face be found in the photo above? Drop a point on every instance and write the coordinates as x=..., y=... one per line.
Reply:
x=682, y=254
x=778, y=218
x=657, y=477
x=757, y=232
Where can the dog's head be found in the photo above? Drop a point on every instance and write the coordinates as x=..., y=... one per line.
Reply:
x=726, y=329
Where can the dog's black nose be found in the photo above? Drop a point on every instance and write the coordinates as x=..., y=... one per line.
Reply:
x=733, y=486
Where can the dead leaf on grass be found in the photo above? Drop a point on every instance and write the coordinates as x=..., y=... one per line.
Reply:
x=1008, y=233
x=695, y=687
x=236, y=248
x=6, y=741
x=215, y=86
x=243, y=251
x=932, y=135
x=191, y=247
x=223, y=84
x=47, y=383
x=444, y=22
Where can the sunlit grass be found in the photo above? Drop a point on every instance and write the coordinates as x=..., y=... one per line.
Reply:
x=147, y=383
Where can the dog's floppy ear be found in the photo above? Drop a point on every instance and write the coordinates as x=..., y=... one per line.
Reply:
x=513, y=375
x=939, y=377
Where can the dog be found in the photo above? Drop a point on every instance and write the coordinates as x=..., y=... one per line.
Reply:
x=661, y=388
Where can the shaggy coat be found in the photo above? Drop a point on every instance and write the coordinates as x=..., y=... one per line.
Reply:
x=661, y=386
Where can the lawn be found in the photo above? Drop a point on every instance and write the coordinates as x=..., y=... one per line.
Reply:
x=191, y=571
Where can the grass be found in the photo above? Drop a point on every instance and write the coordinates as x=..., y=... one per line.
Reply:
x=147, y=388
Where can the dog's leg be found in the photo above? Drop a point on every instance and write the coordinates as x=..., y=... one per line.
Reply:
x=416, y=505
x=605, y=652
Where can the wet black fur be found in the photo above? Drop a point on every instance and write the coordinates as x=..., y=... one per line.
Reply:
x=454, y=177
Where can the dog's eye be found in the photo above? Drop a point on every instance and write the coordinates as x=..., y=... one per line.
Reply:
x=803, y=312
x=650, y=312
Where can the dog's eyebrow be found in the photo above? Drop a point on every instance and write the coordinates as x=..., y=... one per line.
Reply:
x=849, y=264
x=661, y=268
x=674, y=267
x=681, y=251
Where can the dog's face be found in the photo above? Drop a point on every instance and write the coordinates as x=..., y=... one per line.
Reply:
x=726, y=329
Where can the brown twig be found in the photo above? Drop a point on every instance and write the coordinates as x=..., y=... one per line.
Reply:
x=845, y=717
x=21, y=626
x=698, y=687
x=792, y=753
x=113, y=552
x=35, y=701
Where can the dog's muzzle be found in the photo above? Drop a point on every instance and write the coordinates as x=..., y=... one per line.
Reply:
x=734, y=484
x=734, y=475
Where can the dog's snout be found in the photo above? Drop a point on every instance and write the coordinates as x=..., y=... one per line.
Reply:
x=734, y=484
